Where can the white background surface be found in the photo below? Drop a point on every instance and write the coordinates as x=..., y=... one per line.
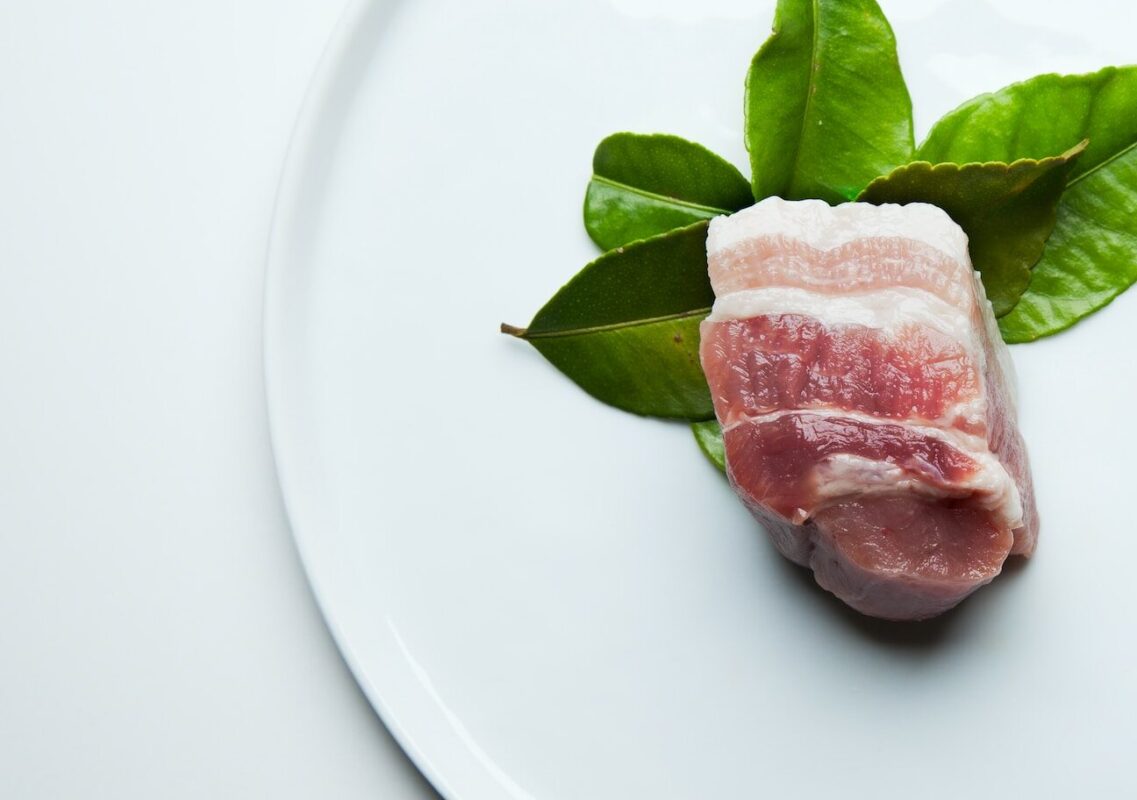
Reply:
x=158, y=638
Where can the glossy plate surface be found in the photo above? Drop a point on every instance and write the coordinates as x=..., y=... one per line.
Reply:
x=547, y=598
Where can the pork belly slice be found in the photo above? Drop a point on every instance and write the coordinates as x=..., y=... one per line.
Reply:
x=866, y=400
x=854, y=266
x=795, y=463
x=839, y=249
x=773, y=362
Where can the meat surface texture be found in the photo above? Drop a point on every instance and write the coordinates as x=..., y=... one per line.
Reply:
x=867, y=400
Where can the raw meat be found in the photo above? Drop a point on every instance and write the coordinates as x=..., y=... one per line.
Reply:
x=866, y=400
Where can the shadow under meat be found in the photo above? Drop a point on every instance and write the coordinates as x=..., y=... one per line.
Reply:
x=912, y=636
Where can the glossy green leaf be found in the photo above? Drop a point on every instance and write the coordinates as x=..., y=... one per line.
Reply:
x=1091, y=255
x=1007, y=211
x=1040, y=117
x=626, y=328
x=708, y=435
x=646, y=184
x=826, y=106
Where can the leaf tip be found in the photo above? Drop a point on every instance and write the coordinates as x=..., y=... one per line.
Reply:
x=1076, y=150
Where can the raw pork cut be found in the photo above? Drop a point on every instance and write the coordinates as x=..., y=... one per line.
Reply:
x=866, y=400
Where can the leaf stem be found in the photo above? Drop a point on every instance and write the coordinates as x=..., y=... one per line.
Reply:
x=512, y=330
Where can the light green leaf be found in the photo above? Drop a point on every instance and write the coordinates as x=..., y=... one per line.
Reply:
x=708, y=435
x=1092, y=252
x=1007, y=211
x=1039, y=117
x=827, y=109
x=1091, y=257
x=645, y=184
x=626, y=328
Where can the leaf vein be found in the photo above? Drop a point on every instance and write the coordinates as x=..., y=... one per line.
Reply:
x=711, y=210
x=615, y=326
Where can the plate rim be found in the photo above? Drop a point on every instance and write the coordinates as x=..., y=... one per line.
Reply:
x=287, y=196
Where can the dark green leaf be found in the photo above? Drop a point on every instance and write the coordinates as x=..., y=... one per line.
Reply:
x=626, y=328
x=646, y=184
x=1007, y=211
x=708, y=435
x=827, y=109
x=1091, y=255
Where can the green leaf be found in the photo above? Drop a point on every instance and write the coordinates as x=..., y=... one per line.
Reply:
x=826, y=107
x=646, y=184
x=626, y=328
x=708, y=435
x=1007, y=211
x=1042, y=116
x=1091, y=256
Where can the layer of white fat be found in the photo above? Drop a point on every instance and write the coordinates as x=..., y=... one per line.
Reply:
x=990, y=488
x=887, y=309
x=970, y=413
x=844, y=475
x=824, y=227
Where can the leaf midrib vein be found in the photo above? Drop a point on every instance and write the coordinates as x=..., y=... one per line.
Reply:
x=1102, y=164
x=814, y=66
x=615, y=326
x=712, y=210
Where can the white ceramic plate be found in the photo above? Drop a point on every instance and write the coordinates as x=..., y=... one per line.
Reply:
x=547, y=598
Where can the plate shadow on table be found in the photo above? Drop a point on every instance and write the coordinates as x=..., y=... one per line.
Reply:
x=412, y=773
